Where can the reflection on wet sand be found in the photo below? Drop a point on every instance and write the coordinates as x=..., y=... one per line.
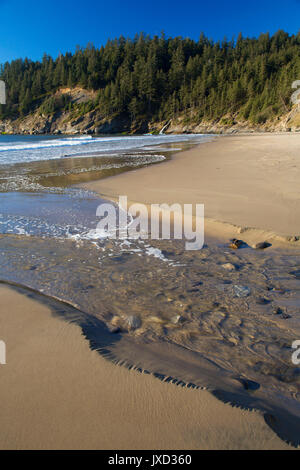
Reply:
x=61, y=173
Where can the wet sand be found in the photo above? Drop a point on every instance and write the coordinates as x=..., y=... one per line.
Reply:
x=243, y=181
x=56, y=393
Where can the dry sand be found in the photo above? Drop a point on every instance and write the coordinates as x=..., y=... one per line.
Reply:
x=243, y=181
x=56, y=393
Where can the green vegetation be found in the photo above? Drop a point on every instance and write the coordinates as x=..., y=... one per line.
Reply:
x=53, y=104
x=160, y=78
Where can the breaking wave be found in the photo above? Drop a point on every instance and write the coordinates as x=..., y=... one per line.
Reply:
x=16, y=149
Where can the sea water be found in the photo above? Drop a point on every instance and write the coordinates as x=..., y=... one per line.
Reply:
x=16, y=149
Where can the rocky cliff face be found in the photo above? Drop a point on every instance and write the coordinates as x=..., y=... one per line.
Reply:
x=90, y=123
x=72, y=121
x=67, y=122
x=64, y=123
x=290, y=122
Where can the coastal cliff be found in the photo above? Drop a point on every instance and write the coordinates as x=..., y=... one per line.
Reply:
x=64, y=121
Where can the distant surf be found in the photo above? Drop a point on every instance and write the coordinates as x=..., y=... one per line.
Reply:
x=18, y=149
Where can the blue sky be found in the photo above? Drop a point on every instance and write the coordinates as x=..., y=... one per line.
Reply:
x=30, y=28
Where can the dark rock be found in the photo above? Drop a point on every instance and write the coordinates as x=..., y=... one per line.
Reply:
x=263, y=301
x=167, y=253
x=235, y=244
x=114, y=329
x=262, y=245
x=279, y=311
x=249, y=384
x=296, y=274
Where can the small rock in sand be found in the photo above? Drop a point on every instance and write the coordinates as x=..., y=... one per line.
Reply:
x=278, y=290
x=282, y=312
x=261, y=245
x=285, y=316
x=114, y=329
x=133, y=322
x=114, y=326
x=229, y=266
x=235, y=244
x=242, y=291
x=279, y=311
x=177, y=319
x=296, y=274
x=249, y=384
x=263, y=301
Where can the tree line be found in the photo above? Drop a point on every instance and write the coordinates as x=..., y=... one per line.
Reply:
x=158, y=78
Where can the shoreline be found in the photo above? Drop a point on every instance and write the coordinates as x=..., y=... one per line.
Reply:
x=212, y=173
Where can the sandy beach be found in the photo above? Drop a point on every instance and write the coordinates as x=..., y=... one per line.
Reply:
x=245, y=182
x=58, y=394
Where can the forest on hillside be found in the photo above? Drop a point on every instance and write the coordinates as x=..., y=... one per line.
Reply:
x=158, y=78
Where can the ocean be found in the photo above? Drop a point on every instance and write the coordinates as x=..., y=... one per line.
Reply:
x=24, y=149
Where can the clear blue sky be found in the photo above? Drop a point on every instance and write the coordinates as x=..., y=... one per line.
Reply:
x=30, y=28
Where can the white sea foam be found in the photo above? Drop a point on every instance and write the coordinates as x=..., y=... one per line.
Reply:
x=16, y=149
x=91, y=235
x=23, y=182
x=45, y=144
